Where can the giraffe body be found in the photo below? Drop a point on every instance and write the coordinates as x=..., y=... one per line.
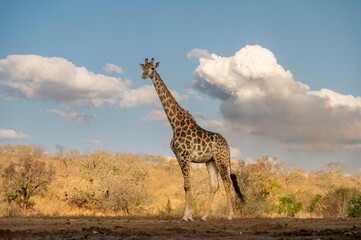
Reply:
x=191, y=143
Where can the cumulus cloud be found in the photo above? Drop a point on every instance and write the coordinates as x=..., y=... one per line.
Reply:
x=156, y=116
x=260, y=97
x=73, y=116
x=55, y=79
x=113, y=68
x=10, y=134
x=142, y=96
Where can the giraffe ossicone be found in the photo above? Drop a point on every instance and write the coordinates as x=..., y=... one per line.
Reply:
x=191, y=143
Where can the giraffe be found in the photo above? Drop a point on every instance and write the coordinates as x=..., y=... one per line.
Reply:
x=191, y=143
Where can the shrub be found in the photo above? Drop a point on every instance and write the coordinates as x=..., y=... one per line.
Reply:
x=289, y=205
x=167, y=208
x=311, y=208
x=354, y=207
x=336, y=202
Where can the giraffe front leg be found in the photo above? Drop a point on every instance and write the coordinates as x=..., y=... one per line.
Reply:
x=185, y=166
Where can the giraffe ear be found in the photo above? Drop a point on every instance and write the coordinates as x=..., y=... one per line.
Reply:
x=142, y=66
x=157, y=65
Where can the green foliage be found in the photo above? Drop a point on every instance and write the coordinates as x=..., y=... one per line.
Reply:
x=314, y=201
x=289, y=205
x=167, y=208
x=354, y=207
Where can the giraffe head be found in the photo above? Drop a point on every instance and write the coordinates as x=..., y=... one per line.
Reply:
x=149, y=68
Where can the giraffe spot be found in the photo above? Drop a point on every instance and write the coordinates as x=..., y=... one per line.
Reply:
x=173, y=108
x=183, y=134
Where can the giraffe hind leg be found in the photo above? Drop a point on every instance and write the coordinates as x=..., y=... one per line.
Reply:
x=223, y=167
x=213, y=179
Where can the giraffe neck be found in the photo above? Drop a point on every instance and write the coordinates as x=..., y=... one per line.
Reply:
x=171, y=108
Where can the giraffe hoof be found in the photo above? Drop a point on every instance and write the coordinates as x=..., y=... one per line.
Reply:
x=203, y=220
x=184, y=220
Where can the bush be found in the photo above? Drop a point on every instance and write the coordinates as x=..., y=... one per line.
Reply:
x=167, y=208
x=336, y=202
x=259, y=185
x=311, y=208
x=289, y=205
x=354, y=207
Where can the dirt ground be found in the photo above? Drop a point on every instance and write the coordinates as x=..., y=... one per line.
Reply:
x=158, y=228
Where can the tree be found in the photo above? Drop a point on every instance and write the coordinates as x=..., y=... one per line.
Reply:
x=26, y=178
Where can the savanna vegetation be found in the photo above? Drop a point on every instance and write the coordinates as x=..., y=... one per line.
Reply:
x=102, y=183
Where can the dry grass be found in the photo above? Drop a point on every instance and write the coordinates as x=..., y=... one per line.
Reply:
x=106, y=184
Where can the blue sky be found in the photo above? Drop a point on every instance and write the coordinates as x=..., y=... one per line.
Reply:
x=285, y=45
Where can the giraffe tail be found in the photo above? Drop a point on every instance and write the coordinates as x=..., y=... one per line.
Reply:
x=236, y=187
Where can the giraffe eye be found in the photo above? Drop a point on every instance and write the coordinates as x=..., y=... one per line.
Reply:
x=153, y=68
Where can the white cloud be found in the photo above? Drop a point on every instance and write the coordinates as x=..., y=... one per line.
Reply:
x=54, y=79
x=156, y=116
x=93, y=141
x=335, y=99
x=10, y=134
x=57, y=80
x=235, y=153
x=199, y=53
x=260, y=97
x=113, y=68
x=142, y=96
x=208, y=123
x=73, y=116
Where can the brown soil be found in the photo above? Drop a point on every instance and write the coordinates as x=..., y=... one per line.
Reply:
x=161, y=228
